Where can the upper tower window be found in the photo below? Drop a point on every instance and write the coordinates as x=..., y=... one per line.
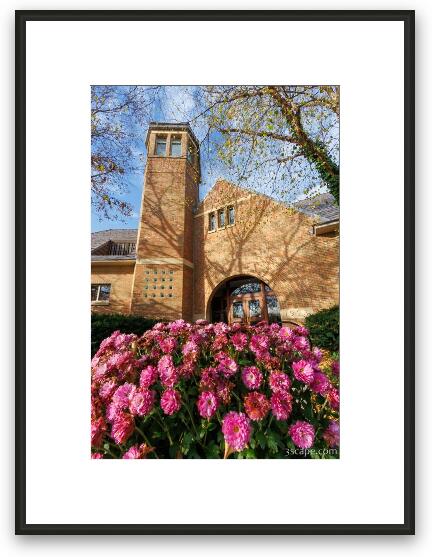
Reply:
x=160, y=148
x=175, y=146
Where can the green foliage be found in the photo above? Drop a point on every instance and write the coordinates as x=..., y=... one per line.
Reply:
x=324, y=328
x=103, y=325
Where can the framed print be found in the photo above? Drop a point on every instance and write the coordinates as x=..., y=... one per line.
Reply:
x=241, y=212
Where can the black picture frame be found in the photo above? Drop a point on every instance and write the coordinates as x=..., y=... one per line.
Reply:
x=21, y=526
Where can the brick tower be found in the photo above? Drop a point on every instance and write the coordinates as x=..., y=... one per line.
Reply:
x=163, y=279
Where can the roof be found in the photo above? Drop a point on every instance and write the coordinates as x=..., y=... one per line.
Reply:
x=116, y=235
x=322, y=207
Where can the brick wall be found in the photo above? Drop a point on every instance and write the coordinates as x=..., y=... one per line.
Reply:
x=120, y=277
x=270, y=242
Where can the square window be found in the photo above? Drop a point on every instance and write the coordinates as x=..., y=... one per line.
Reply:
x=154, y=287
x=160, y=147
x=147, y=272
x=153, y=295
x=162, y=287
x=155, y=280
x=170, y=287
x=175, y=146
x=169, y=295
x=145, y=295
x=146, y=287
x=155, y=271
x=163, y=272
x=162, y=295
x=147, y=279
x=171, y=279
x=212, y=222
x=163, y=280
x=171, y=272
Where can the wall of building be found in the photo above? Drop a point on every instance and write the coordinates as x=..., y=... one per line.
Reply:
x=271, y=242
x=120, y=277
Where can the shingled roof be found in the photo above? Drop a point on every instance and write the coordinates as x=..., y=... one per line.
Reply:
x=115, y=235
x=322, y=207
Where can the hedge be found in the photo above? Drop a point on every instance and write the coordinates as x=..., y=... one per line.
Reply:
x=103, y=325
x=324, y=328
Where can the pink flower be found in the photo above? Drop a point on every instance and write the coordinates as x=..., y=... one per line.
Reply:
x=252, y=377
x=207, y=404
x=97, y=455
x=300, y=330
x=286, y=334
x=333, y=396
x=170, y=401
x=167, y=345
x=98, y=429
x=257, y=406
x=301, y=343
x=167, y=372
x=279, y=382
x=122, y=395
x=331, y=434
x=239, y=341
x=148, y=376
x=335, y=367
x=122, y=428
x=190, y=347
x=259, y=344
x=320, y=383
x=302, y=434
x=133, y=452
x=107, y=389
x=227, y=366
x=141, y=402
x=237, y=430
x=303, y=371
x=281, y=405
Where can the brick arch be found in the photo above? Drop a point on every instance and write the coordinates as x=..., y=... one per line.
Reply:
x=232, y=277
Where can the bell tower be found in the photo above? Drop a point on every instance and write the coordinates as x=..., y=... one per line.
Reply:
x=163, y=279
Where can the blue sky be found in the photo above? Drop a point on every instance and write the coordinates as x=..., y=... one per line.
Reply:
x=174, y=104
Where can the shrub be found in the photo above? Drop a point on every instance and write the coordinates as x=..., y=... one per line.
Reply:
x=324, y=328
x=213, y=391
x=103, y=325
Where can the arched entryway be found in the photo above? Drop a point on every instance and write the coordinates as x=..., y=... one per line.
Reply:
x=244, y=299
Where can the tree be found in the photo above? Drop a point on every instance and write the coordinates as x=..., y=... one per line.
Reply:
x=118, y=114
x=286, y=138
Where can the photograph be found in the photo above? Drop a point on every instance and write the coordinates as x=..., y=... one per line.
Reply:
x=214, y=271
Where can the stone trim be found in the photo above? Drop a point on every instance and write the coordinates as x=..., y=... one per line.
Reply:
x=164, y=261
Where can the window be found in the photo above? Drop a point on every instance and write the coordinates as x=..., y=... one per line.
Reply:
x=100, y=292
x=175, y=146
x=231, y=215
x=160, y=148
x=221, y=218
x=212, y=222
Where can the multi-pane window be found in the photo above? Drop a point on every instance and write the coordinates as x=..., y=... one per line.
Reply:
x=221, y=218
x=100, y=292
x=212, y=222
x=160, y=148
x=175, y=146
x=231, y=215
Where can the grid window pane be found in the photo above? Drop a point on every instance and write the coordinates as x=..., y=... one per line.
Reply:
x=104, y=291
x=175, y=147
x=212, y=221
x=160, y=146
x=231, y=215
x=221, y=218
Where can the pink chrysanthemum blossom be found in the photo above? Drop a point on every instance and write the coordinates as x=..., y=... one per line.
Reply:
x=320, y=383
x=317, y=354
x=302, y=434
x=331, y=434
x=97, y=455
x=219, y=342
x=227, y=366
x=170, y=401
x=112, y=411
x=257, y=406
x=201, y=322
x=252, y=377
x=221, y=328
x=190, y=347
x=141, y=402
x=286, y=333
x=333, y=396
x=122, y=395
x=281, y=405
x=98, y=429
x=303, y=371
x=237, y=430
x=207, y=404
x=148, y=376
x=133, y=452
x=259, y=344
x=122, y=428
x=303, y=331
x=107, y=389
x=239, y=341
x=168, y=344
x=223, y=390
x=279, y=382
x=167, y=372
x=300, y=344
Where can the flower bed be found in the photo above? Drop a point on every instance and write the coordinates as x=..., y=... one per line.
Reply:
x=204, y=390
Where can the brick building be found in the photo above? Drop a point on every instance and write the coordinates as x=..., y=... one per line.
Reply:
x=235, y=256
